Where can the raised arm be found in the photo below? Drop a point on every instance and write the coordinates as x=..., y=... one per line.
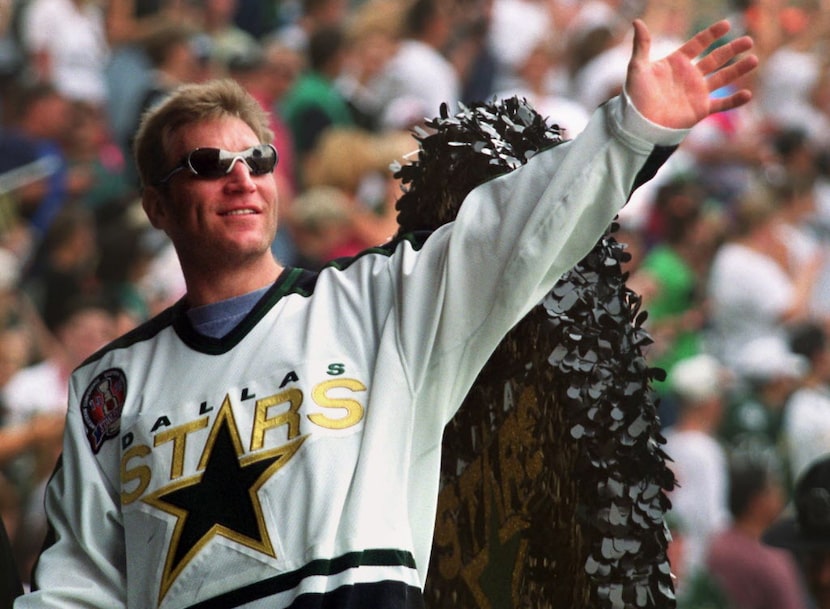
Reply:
x=675, y=91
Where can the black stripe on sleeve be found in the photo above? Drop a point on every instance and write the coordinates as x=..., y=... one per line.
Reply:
x=655, y=160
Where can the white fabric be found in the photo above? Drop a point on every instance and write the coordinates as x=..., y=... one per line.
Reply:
x=510, y=50
x=593, y=15
x=699, y=501
x=74, y=38
x=419, y=77
x=785, y=83
x=807, y=427
x=37, y=389
x=748, y=293
x=163, y=282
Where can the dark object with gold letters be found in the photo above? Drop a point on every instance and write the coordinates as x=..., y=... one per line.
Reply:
x=553, y=480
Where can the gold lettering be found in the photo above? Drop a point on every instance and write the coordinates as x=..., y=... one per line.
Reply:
x=289, y=418
x=179, y=437
x=141, y=473
x=353, y=408
x=226, y=414
x=512, y=476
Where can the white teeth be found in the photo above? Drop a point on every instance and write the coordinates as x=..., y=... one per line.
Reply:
x=239, y=212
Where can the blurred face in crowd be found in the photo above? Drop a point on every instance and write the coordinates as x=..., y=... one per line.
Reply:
x=183, y=63
x=283, y=65
x=370, y=54
x=85, y=332
x=222, y=222
x=331, y=11
x=772, y=500
x=51, y=116
x=220, y=12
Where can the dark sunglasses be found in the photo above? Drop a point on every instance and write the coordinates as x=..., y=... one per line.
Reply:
x=212, y=163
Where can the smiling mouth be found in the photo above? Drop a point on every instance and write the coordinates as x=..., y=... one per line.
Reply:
x=239, y=212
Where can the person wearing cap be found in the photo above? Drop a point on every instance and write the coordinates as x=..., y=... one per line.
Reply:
x=274, y=438
x=767, y=373
x=226, y=39
x=805, y=530
x=696, y=457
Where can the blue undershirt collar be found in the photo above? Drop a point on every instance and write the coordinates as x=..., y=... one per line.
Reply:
x=217, y=319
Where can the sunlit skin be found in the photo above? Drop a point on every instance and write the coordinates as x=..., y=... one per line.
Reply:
x=675, y=91
x=222, y=228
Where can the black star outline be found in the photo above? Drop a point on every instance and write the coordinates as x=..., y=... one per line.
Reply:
x=197, y=519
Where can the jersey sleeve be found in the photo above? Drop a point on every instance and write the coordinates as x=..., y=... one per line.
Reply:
x=82, y=563
x=513, y=238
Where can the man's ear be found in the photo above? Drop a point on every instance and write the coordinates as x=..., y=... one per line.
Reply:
x=152, y=200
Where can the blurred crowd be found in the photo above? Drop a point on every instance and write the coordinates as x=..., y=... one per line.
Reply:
x=729, y=244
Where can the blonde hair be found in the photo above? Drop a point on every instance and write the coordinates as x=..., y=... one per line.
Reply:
x=345, y=155
x=375, y=17
x=319, y=206
x=753, y=208
x=188, y=104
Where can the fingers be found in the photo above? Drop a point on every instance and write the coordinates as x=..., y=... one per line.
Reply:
x=733, y=72
x=703, y=39
x=724, y=54
x=721, y=104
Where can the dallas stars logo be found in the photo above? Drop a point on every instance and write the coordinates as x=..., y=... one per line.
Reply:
x=222, y=500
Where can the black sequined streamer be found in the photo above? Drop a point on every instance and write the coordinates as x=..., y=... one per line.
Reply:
x=555, y=458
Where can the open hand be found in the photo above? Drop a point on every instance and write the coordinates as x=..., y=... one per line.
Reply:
x=676, y=91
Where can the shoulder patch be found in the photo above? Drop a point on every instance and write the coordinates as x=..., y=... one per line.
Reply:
x=101, y=407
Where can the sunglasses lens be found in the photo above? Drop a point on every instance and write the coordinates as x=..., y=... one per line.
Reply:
x=261, y=159
x=208, y=162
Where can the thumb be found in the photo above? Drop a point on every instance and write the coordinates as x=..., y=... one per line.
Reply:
x=642, y=42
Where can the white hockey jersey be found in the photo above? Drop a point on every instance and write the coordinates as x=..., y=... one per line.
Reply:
x=295, y=461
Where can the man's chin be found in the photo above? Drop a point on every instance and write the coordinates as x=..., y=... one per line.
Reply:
x=240, y=253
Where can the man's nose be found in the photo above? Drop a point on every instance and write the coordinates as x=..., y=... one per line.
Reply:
x=239, y=172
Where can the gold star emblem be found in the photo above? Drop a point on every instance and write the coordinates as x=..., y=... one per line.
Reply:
x=221, y=500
